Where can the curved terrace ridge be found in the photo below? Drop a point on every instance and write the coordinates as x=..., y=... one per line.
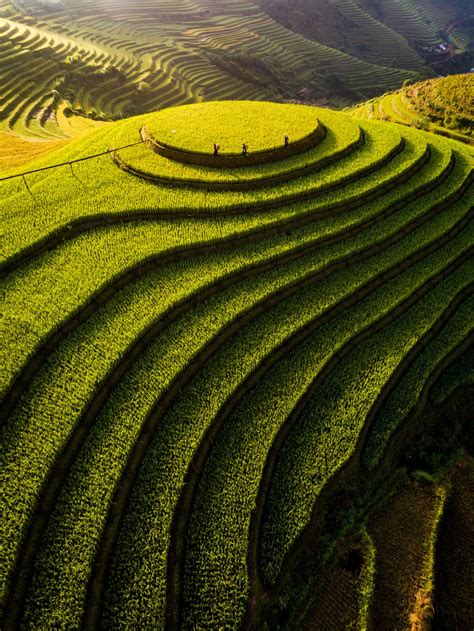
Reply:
x=204, y=358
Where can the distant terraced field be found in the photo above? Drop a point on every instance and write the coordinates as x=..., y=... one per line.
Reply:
x=108, y=60
x=202, y=355
x=444, y=106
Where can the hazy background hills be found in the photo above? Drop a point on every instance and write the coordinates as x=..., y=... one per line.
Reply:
x=109, y=59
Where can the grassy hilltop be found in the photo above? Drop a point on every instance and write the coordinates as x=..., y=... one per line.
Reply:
x=217, y=371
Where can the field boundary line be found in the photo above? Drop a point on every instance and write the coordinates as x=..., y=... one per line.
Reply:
x=286, y=429
x=93, y=613
x=122, y=279
x=50, y=492
x=80, y=226
x=303, y=545
x=246, y=184
x=177, y=550
x=236, y=160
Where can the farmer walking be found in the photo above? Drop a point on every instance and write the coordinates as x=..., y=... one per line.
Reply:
x=216, y=149
x=245, y=150
x=287, y=141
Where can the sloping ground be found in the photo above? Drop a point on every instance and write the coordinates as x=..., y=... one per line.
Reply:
x=15, y=152
x=444, y=106
x=341, y=596
x=404, y=534
x=426, y=22
x=454, y=569
x=107, y=60
x=193, y=350
x=401, y=33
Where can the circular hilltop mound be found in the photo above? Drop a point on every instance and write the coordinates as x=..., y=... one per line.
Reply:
x=260, y=125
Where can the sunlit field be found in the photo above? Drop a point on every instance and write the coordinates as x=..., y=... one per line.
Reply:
x=212, y=371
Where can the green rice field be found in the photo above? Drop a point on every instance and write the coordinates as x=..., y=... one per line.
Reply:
x=197, y=353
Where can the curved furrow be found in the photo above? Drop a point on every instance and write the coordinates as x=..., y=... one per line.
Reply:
x=398, y=400
x=182, y=532
x=104, y=293
x=275, y=154
x=459, y=372
x=304, y=421
x=54, y=484
x=304, y=546
x=245, y=183
x=141, y=196
x=336, y=145
x=168, y=203
x=307, y=194
x=114, y=525
x=203, y=309
x=135, y=349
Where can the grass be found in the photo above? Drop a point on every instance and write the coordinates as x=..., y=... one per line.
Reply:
x=441, y=105
x=459, y=373
x=404, y=581
x=16, y=153
x=228, y=487
x=405, y=396
x=453, y=574
x=341, y=595
x=184, y=132
x=154, y=332
x=321, y=448
x=67, y=362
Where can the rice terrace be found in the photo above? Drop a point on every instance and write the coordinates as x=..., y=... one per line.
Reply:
x=237, y=315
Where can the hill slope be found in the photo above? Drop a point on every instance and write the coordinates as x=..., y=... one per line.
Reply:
x=197, y=349
x=444, y=106
x=112, y=59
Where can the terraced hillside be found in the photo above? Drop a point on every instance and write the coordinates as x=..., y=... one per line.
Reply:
x=210, y=361
x=444, y=106
x=109, y=60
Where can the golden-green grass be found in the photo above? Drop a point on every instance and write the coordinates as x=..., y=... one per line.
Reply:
x=16, y=153
x=160, y=340
x=262, y=126
x=117, y=60
x=444, y=106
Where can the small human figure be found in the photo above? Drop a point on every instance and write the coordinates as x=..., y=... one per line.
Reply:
x=287, y=141
x=216, y=149
x=245, y=150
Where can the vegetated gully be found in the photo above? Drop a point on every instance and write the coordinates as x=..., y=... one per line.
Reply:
x=50, y=493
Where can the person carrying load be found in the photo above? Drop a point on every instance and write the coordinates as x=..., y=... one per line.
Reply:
x=216, y=149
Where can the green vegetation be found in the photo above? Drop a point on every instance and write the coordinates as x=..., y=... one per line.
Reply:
x=409, y=521
x=190, y=359
x=183, y=133
x=68, y=66
x=443, y=106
